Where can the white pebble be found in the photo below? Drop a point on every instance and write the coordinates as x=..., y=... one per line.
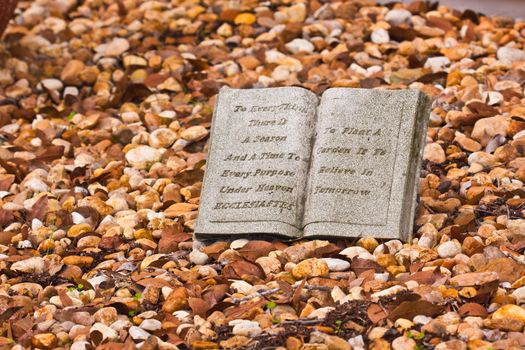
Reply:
x=198, y=258
x=245, y=328
x=299, y=45
x=509, y=55
x=337, y=264
x=380, y=36
x=398, y=16
x=138, y=333
x=449, y=249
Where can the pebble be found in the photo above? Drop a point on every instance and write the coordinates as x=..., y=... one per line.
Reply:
x=245, y=18
x=403, y=343
x=194, y=133
x=36, y=185
x=44, y=341
x=177, y=300
x=519, y=295
x=298, y=45
x=380, y=36
x=398, y=16
x=437, y=63
x=301, y=251
x=137, y=333
x=485, y=129
x=80, y=345
x=512, y=312
x=238, y=243
x=225, y=30
x=296, y=13
x=449, y=249
x=357, y=343
x=32, y=265
x=115, y=47
x=453, y=344
x=434, y=152
x=337, y=264
x=245, y=328
x=133, y=60
x=162, y=138
x=142, y=157
x=269, y=264
x=106, y=331
x=151, y=325
x=509, y=55
x=198, y=258
x=310, y=268
x=106, y=315
x=78, y=229
x=52, y=84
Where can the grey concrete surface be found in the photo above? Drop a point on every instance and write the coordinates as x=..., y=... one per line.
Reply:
x=513, y=8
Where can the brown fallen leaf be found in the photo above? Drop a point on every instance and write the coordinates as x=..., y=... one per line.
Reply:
x=64, y=298
x=198, y=306
x=284, y=295
x=189, y=177
x=296, y=297
x=171, y=236
x=255, y=249
x=409, y=309
x=38, y=210
x=240, y=268
x=216, y=292
x=326, y=251
x=376, y=313
x=482, y=109
x=154, y=282
x=238, y=311
x=49, y=153
x=215, y=249
x=360, y=265
x=6, y=181
x=426, y=277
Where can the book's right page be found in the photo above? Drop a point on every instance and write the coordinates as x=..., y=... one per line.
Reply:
x=365, y=163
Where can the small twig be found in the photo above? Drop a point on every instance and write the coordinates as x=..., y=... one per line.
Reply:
x=258, y=294
x=308, y=321
x=275, y=290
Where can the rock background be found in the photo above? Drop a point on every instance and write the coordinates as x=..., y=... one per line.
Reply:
x=105, y=112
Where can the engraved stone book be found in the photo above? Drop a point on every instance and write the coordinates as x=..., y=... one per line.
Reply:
x=284, y=162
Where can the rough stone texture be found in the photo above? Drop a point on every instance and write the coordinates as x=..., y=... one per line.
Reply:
x=7, y=7
x=363, y=153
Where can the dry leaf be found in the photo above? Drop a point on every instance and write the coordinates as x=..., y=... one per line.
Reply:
x=409, y=309
x=198, y=306
x=238, y=269
x=255, y=249
x=376, y=313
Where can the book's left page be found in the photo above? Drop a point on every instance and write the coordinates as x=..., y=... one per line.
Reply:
x=257, y=164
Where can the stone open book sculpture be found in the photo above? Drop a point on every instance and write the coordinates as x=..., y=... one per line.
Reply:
x=283, y=162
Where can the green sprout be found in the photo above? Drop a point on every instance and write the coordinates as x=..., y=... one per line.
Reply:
x=416, y=335
x=276, y=321
x=137, y=296
x=71, y=115
x=79, y=287
x=338, y=324
x=271, y=305
x=132, y=313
